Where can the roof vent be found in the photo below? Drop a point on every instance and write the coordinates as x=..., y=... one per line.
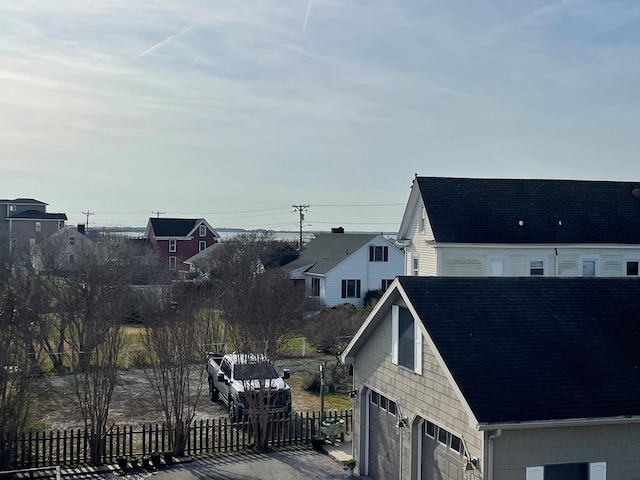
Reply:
x=636, y=193
x=560, y=222
x=521, y=222
x=337, y=230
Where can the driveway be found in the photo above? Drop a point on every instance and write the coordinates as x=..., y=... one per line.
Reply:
x=282, y=465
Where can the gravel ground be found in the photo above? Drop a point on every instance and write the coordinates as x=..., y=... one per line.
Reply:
x=133, y=403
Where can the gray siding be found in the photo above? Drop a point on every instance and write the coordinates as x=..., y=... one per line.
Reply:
x=429, y=395
x=617, y=445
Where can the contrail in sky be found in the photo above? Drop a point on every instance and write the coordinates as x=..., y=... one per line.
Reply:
x=306, y=17
x=161, y=43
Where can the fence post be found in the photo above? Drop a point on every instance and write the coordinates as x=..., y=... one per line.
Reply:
x=126, y=359
x=304, y=347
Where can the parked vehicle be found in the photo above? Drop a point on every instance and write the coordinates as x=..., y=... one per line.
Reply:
x=234, y=377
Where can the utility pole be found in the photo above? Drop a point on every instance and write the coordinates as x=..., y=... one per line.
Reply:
x=158, y=213
x=300, y=209
x=88, y=213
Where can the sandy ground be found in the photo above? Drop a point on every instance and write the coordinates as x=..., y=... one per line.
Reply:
x=55, y=405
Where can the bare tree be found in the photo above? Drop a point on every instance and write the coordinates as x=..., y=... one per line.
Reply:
x=178, y=327
x=259, y=305
x=20, y=305
x=92, y=300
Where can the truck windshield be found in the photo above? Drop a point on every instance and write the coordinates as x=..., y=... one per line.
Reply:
x=254, y=371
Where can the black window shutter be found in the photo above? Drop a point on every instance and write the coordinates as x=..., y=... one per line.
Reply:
x=357, y=288
x=386, y=254
x=371, y=253
x=344, y=289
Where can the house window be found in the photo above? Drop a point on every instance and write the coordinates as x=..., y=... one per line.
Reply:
x=315, y=287
x=406, y=337
x=172, y=263
x=430, y=429
x=568, y=471
x=415, y=265
x=443, y=436
x=497, y=267
x=351, y=288
x=392, y=407
x=202, y=245
x=385, y=283
x=12, y=208
x=172, y=244
x=423, y=220
x=536, y=268
x=72, y=240
x=456, y=443
x=632, y=268
x=203, y=230
x=38, y=227
x=71, y=259
x=588, y=267
x=378, y=253
x=375, y=398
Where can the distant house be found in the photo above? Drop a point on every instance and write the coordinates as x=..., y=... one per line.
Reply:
x=341, y=267
x=26, y=219
x=179, y=239
x=499, y=379
x=520, y=227
x=64, y=249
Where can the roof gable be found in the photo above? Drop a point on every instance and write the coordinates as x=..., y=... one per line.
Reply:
x=523, y=211
x=530, y=349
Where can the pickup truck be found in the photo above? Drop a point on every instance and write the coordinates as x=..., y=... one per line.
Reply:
x=232, y=377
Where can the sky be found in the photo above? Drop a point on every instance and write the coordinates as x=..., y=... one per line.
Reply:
x=235, y=110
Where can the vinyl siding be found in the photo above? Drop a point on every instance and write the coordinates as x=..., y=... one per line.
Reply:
x=427, y=254
x=428, y=396
x=357, y=266
x=462, y=261
x=617, y=445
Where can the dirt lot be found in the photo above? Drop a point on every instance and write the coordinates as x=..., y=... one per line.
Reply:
x=55, y=406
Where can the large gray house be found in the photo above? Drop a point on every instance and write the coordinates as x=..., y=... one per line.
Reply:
x=499, y=379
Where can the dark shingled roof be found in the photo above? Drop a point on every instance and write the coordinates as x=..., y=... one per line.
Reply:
x=476, y=210
x=173, y=227
x=532, y=349
x=36, y=215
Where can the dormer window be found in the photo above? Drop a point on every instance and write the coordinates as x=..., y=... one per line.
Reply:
x=203, y=230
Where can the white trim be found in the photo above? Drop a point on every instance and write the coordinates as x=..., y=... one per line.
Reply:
x=629, y=258
x=522, y=246
x=558, y=423
x=367, y=433
x=417, y=352
x=395, y=321
x=535, y=473
x=498, y=258
x=598, y=471
x=173, y=247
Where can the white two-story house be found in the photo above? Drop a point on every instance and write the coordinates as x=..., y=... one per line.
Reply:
x=521, y=227
x=341, y=267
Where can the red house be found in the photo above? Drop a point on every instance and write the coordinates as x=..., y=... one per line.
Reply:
x=179, y=239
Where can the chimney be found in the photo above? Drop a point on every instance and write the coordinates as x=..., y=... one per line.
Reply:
x=337, y=230
x=81, y=228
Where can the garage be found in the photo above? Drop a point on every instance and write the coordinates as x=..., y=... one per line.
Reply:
x=442, y=454
x=382, y=438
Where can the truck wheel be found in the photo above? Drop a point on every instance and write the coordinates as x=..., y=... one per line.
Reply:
x=214, y=394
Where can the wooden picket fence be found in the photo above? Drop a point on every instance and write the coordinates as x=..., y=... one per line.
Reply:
x=70, y=448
